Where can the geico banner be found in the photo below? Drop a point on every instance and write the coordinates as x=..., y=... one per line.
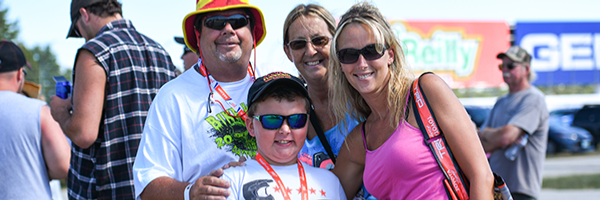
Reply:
x=562, y=52
x=462, y=53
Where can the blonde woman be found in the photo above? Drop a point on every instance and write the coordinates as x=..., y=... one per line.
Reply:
x=371, y=80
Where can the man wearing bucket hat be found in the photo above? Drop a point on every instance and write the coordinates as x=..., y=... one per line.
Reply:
x=117, y=74
x=34, y=150
x=521, y=117
x=196, y=123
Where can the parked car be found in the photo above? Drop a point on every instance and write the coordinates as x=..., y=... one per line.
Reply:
x=589, y=118
x=565, y=138
x=565, y=115
x=561, y=135
x=478, y=114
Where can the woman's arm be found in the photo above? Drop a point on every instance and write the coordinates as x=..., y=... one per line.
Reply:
x=351, y=163
x=461, y=136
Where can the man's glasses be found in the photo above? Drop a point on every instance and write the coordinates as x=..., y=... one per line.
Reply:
x=219, y=22
x=317, y=41
x=186, y=50
x=508, y=66
x=274, y=122
x=24, y=72
x=75, y=25
x=370, y=52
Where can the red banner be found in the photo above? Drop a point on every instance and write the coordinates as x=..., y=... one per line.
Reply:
x=462, y=53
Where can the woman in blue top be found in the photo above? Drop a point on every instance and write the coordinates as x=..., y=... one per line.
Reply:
x=307, y=33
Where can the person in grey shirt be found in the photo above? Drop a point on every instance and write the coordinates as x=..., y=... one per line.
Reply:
x=34, y=149
x=520, y=117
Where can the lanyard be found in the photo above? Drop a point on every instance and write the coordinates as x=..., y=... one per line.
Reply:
x=282, y=187
x=214, y=85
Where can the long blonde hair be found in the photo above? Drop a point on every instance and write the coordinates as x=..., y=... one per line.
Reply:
x=345, y=98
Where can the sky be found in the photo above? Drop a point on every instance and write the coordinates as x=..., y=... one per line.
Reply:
x=47, y=22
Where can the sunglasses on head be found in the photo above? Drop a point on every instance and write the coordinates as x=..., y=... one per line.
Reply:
x=274, y=122
x=219, y=22
x=317, y=41
x=508, y=66
x=370, y=52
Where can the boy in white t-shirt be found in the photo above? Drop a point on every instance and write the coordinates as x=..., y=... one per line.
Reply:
x=278, y=107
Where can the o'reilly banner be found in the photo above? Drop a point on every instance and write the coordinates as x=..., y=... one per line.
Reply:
x=463, y=53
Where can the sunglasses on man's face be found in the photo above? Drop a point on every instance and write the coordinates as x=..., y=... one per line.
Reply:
x=274, y=122
x=508, y=66
x=219, y=22
x=317, y=41
x=370, y=52
x=75, y=26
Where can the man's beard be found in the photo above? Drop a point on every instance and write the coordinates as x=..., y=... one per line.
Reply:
x=230, y=57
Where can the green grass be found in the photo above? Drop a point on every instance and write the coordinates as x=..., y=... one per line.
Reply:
x=591, y=181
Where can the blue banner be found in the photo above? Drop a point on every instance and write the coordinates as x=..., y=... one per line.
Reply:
x=562, y=52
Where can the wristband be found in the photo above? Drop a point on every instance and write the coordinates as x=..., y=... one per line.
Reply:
x=186, y=192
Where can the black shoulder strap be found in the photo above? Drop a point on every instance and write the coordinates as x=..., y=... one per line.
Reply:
x=315, y=123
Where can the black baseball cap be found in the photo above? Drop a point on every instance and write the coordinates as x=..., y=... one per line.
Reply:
x=281, y=78
x=11, y=57
x=75, y=6
x=181, y=41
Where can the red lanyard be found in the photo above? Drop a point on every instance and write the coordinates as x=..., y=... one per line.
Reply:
x=282, y=187
x=214, y=84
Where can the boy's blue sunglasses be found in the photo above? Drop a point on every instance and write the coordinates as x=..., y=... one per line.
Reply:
x=274, y=122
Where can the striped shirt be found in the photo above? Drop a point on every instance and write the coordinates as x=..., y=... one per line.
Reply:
x=136, y=68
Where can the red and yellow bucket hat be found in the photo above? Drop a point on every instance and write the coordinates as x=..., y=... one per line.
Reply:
x=205, y=6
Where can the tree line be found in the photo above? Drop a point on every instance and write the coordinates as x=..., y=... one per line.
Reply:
x=42, y=61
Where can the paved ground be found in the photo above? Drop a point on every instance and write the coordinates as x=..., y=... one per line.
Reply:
x=570, y=194
x=566, y=165
x=571, y=165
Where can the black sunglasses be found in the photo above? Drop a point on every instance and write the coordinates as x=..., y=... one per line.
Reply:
x=186, y=50
x=317, y=41
x=75, y=25
x=370, y=52
x=219, y=22
x=274, y=122
x=509, y=66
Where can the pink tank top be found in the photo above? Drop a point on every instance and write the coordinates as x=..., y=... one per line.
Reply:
x=403, y=167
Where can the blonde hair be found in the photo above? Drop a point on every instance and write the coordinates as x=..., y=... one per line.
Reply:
x=307, y=10
x=347, y=100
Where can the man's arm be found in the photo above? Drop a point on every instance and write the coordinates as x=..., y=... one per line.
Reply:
x=501, y=137
x=206, y=187
x=88, y=99
x=55, y=148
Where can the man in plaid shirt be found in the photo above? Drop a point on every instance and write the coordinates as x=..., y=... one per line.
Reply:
x=117, y=74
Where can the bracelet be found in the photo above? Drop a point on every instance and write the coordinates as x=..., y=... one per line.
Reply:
x=186, y=192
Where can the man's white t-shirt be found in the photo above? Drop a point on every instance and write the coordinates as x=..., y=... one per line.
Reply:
x=254, y=182
x=183, y=139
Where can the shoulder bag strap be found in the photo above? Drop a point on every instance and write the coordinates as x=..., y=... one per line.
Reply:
x=315, y=123
x=456, y=184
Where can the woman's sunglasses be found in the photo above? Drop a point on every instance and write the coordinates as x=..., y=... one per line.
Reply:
x=274, y=122
x=317, y=41
x=370, y=52
x=219, y=22
x=508, y=66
